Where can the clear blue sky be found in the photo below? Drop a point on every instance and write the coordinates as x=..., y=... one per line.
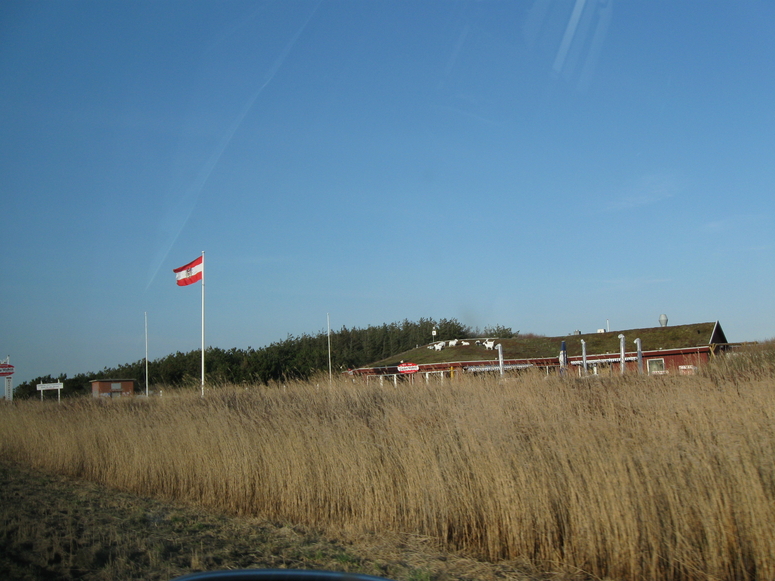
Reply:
x=546, y=165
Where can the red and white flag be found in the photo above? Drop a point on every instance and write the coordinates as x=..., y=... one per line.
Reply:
x=190, y=273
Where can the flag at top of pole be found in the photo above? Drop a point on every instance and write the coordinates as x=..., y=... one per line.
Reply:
x=190, y=273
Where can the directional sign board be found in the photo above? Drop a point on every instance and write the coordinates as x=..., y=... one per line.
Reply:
x=44, y=386
x=6, y=369
x=408, y=368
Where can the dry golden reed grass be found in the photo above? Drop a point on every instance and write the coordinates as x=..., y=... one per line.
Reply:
x=632, y=478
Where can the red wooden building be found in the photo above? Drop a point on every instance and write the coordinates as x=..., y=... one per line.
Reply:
x=112, y=387
x=664, y=350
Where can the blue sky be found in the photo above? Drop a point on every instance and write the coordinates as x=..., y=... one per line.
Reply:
x=546, y=165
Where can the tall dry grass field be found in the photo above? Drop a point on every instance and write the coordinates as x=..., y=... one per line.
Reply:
x=632, y=478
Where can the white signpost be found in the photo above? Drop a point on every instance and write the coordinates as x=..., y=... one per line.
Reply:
x=46, y=386
x=6, y=371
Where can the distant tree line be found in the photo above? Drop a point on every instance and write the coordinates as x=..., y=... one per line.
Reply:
x=293, y=358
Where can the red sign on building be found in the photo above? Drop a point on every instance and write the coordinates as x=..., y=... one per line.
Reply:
x=408, y=368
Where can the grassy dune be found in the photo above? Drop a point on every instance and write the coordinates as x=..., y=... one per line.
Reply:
x=633, y=477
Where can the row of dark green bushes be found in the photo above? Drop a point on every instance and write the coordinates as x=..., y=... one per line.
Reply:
x=296, y=357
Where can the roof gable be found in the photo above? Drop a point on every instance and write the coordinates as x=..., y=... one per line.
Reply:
x=718, y=336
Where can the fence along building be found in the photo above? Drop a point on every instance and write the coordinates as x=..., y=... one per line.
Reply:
x=665, y=350
x=112, y=387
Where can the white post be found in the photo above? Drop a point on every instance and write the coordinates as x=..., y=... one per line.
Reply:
x=328, y=323
x=621, y=352
x=640, y=355
x=146, y=354
x=563, y=358
x=499, y=347
x=584, y=355
x=203, y=323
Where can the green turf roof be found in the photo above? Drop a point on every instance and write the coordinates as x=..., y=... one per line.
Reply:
x=533, y=347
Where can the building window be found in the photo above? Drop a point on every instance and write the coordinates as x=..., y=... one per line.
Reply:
x=115, y=387
x=656, y=367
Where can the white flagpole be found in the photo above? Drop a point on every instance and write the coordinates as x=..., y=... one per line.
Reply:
x=146, y=354
x=203, y=323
